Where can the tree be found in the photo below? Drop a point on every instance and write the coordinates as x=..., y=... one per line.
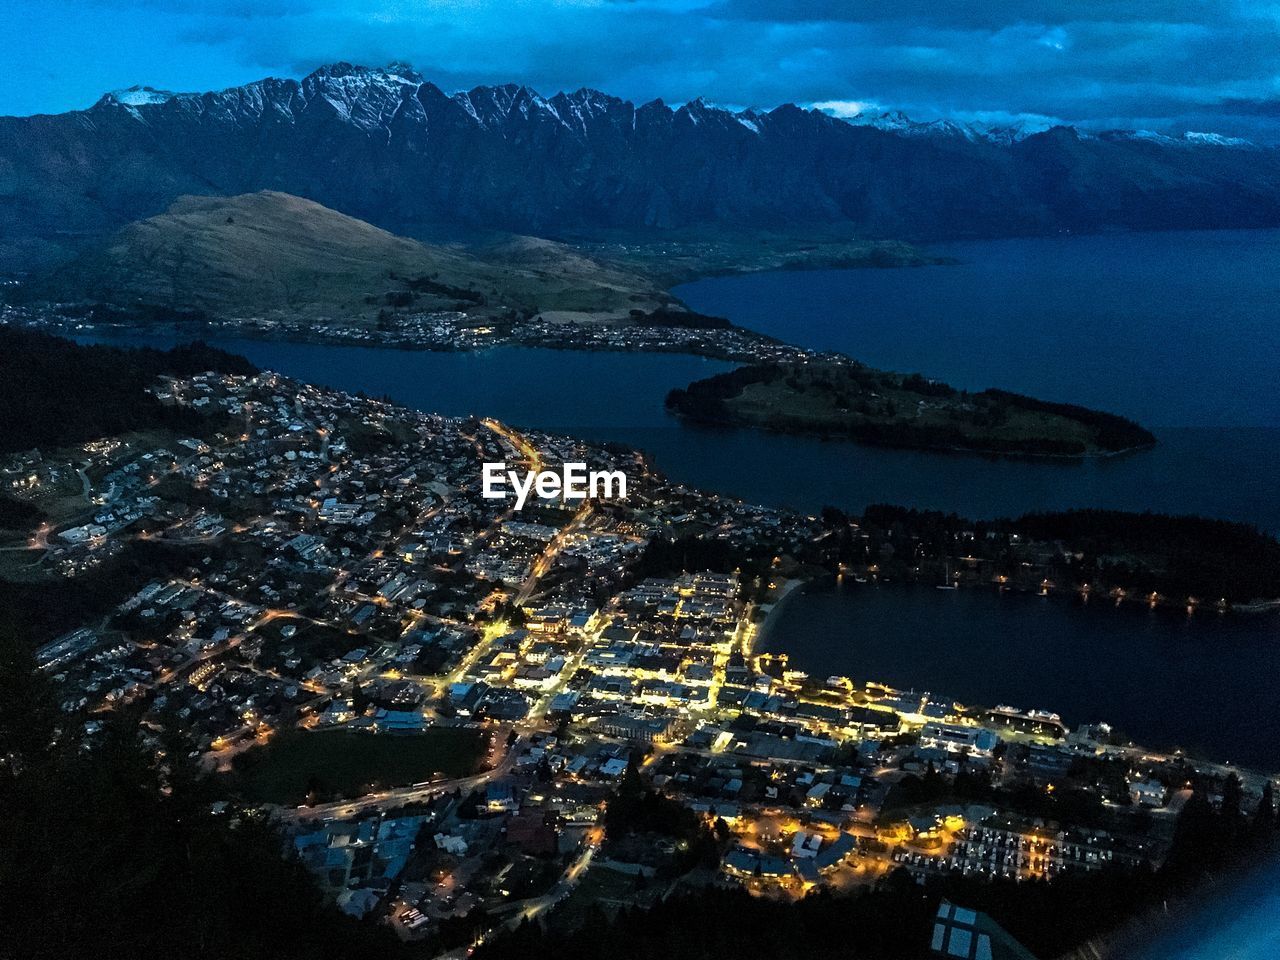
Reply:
x=1231, y=798
x=28, y=713
x=109, y=849
x=1264, y=818
x=359, y=699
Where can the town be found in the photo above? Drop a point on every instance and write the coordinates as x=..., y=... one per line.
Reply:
x=447, y=330
x=463, y=720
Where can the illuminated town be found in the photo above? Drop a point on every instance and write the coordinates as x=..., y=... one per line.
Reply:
x=451, y=707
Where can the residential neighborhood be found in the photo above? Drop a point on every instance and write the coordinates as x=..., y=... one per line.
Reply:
x=445, y=703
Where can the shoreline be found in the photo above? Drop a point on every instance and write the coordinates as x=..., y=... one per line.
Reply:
x=790, y=587
x=1202, y=761
x=1117, y=596
x=204, y=331
x=727, y=355
x=1122, y=594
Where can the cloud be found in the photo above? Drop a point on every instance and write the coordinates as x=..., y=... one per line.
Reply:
x=1167, y=63
x=845, y=108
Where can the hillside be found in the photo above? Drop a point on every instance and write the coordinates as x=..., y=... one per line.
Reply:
x=873, y=406
x=272, y=254
x=55, y=392
x=393, y=149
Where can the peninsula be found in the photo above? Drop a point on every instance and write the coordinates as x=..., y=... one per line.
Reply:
x=843, y=398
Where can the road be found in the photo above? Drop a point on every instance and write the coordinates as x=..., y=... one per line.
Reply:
x=342, y=809
x=535, y=906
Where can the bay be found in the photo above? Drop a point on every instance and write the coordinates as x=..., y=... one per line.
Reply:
x=1204, y=683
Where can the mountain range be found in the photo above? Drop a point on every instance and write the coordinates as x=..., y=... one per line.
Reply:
x=391, y=148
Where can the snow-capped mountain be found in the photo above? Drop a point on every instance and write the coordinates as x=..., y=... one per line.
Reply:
x=896, y=121
x=1190, y=138
x=388, y=146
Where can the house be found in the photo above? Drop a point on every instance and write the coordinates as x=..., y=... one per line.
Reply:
x=614, y=767
x=500, y=797
x=955, y=738
x=399, y=721
x=635, y=729
x=1147, y=793
x=924, y=827
x=357, y=903
x=836, y=851
x=451, y=844
x=817, y=794
x=806, y=844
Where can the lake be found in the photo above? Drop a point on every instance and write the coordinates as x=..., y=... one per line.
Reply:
x=1165, y=679
x=1178, y=330
x=1171, y=329
x=1226, y=473
x=1205, y=683
x=1233, y=921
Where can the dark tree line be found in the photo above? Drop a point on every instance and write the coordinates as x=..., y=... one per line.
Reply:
x=663, y=557
x=1200, y=556
x=55, y=392
x=1113, y=432
x=18, y=514
x=1177, y=556
x=716, y=923
x=634, y=809
x=109, y=849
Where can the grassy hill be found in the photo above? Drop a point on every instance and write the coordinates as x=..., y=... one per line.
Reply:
x=271, y=254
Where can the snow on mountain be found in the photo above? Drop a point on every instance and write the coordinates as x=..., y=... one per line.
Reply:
x=897, y=122
x=372, y=98
x=140, y=96
x=1216, y=139
x=1190, y=138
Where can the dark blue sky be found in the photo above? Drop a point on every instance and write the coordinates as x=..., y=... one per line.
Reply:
x=1168, y=65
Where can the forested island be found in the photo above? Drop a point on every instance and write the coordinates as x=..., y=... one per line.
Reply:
x=854, y=401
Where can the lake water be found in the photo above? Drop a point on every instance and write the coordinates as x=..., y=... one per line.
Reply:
x=1235, y=921
x=1172, y=329
x=1179, y=330
x=1161, y=678
x=1204, y=683
x=1226, y=473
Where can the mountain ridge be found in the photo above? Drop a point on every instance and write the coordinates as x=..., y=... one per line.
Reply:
x=499, y=100
x=273, y=255
x=389, y=147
